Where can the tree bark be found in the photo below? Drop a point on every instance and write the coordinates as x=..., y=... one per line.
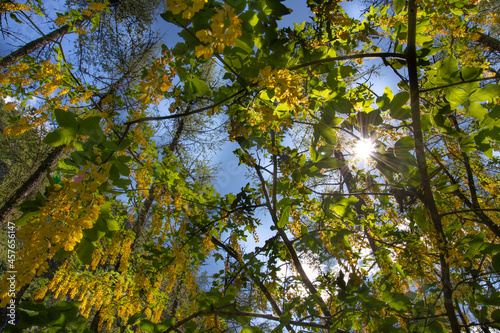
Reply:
x=492, y=43
x=35, y=179
x=428, y=197
x=34, y=45
x=30, y=184
x=148, y=202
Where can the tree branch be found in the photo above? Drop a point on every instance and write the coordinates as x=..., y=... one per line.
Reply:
x=427, y=197
x=238, y=313
x=180, y=115
x=459, y=83
x=34, y=45
x=256, y=280
x=289, y=245
x=471, y=211
x=382, y=55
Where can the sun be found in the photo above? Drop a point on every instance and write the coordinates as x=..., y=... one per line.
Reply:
x=364, y=148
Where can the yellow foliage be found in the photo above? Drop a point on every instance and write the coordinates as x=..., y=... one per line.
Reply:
x=225, y=29
x=181, y=6
x=5, y=6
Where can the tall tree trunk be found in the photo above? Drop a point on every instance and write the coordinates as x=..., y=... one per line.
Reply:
x=94, y=325
x=35, y=45
x=35, y=179
x=30, y=184
x=428, y=197
x=148, y=202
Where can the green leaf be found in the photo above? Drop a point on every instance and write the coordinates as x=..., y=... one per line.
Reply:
x=190, y=326
x=285, y=215
x=88, y=125
x=147, y=326
x=467, y=144
x=419, y=218
x=180, y=49
x=384, y=101
x=456, y=96
x=114, y=174
x=201, y=88
x=470, y=73
x=110, y=145
x=66, y=119
x=477, y=111
x=329, y=163
x=495, y=315
x=85, y=250
x=397, y=109
x=277, y=8
x=62, y=254
x=494, y=299
x=448, y=67
x=403, y=146
x=341, y=105
x=327, y=133
x=250, y=17
x=313, y=153
x=485, y=94
x=436, y=327
x=495, y=262
x=122, y=183
x=123, y=168
x=341, y=208
x=133, y=319
x=238, y=5
x=59, y=137
x=399, y=5
x=112, y=224
x=14, y=17
x=96, y=231
x=448, y=188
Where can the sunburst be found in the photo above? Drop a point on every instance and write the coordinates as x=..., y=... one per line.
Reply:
x=364, y=149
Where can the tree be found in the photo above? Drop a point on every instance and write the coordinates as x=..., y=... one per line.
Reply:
x=404, y=240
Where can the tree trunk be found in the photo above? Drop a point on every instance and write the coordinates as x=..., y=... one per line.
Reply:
x=148, y=202
x=35, y=45
x=492, y=43
x=29, y=185
x=428, y=197
x=94, y=325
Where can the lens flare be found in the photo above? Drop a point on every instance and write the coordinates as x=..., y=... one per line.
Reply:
x=364, y=148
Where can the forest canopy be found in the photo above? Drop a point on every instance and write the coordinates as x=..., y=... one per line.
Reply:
x=367, y=152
